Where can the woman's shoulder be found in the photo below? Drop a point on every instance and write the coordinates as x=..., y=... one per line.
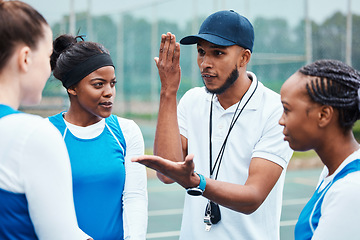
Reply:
x=27, y=130
x=131, y=131
x=128, y=126
x=347, y=186
x=126, y=122
x=27, y=122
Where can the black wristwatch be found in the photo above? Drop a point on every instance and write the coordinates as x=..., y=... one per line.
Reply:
x=198, y=191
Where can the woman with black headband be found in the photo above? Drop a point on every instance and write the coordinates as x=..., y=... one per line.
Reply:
x=110, y=193
x=321, y=104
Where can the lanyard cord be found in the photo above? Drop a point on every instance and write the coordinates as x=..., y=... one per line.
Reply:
x=233, y=121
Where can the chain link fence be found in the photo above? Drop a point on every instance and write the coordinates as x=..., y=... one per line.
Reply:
x=283, y=43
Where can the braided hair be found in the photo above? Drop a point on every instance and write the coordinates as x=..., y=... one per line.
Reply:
x=335, y=84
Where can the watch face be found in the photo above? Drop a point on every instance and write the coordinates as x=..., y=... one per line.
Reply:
x=194, y=191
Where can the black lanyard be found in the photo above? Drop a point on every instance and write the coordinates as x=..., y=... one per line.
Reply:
x=233, y=121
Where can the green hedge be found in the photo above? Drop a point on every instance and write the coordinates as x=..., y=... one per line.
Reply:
x=356, y=130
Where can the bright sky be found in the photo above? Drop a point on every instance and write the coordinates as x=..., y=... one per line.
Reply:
x=182, y=10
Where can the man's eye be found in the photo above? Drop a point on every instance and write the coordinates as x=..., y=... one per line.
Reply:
x=218, y=53
x=201, y=52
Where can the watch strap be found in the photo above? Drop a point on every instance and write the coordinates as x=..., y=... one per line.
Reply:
x=202, y=183
x=197, y=191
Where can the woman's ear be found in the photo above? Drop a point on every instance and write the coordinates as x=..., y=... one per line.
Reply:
x=72, y=91
x=326, y=115
x=24, y=58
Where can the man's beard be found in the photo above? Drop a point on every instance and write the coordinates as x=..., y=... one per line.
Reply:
x=229, y=81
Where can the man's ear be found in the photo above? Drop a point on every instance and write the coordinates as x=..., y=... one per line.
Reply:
x=24, y=58
x=245, y=57
x=326, y=115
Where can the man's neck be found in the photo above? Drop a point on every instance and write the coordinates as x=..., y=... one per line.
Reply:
x=234, y=93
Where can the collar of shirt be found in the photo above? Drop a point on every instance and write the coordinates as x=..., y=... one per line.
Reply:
x=87, y=132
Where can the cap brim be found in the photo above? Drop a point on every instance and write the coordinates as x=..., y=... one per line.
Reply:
x=193, y=39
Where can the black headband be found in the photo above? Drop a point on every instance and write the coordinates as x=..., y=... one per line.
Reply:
x=86, y=67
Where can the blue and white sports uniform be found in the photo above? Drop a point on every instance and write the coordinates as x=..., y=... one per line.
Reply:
x=36, y=200
x=100, y=157
x=333, y=212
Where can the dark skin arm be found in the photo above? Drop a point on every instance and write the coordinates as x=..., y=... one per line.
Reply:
x=263, y=175
x=167, y=141
x=169, y=144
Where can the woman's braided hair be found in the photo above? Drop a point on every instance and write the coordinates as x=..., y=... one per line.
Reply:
x=335, y=84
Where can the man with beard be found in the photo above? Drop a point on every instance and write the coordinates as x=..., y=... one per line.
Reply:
x=229, y=132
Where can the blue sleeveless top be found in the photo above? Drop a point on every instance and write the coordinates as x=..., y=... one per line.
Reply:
x=311, y=214
x=15, y=222
x=6, y=110
x=98, y=173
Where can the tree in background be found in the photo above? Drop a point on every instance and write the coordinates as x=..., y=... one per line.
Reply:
x=276, y=45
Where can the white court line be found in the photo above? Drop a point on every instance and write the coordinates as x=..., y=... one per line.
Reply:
x=177, y=211
x=296, y=201
x=177, y=233
x=165, y=189
x=288, y=223
x=174, y=211
x=305, y=181
x=163, y=234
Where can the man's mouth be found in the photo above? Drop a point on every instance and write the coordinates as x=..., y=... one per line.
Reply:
x=207, y=77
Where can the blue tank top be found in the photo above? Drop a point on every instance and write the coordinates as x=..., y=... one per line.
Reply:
x=98, y=172
x=15, y=222
x=311, y=214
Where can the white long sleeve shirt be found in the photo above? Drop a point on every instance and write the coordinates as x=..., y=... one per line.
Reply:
x=34, y=161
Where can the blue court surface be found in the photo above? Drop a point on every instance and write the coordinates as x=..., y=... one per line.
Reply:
x=166, y=202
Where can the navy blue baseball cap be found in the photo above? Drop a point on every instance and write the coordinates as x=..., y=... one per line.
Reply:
x=224, y=28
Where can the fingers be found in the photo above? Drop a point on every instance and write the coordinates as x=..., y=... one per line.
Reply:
x=167, y=44
x=162, y=43
x=168, y=48
x=189, y=163
x=152, y=162
x=172, y=44
x=156, y=59
x=176, y=58
x=189, y=158
x=145, y=157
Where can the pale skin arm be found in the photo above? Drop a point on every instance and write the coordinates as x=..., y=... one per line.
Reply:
x=263, y=175
x=167, y=141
